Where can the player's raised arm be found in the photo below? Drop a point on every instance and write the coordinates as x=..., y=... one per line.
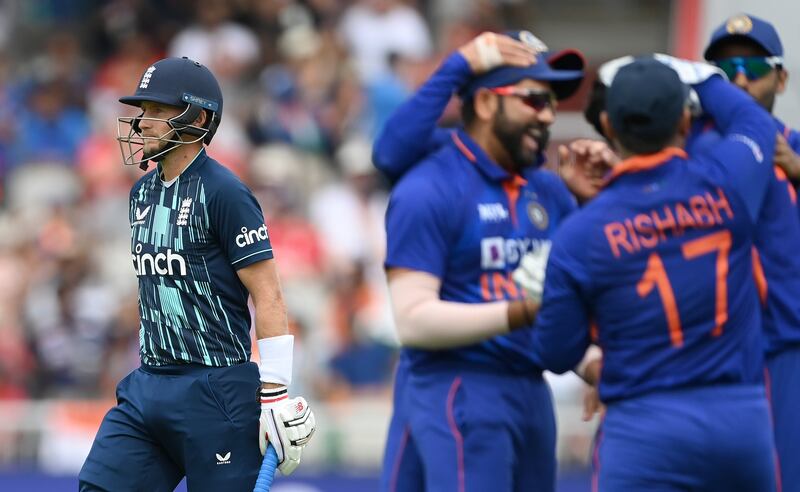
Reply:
x=411, y=133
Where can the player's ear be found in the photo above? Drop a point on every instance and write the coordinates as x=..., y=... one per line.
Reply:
x=608, y=130
x=783, y=78
x=201, y=119
x=685, y=123
x=485, y=103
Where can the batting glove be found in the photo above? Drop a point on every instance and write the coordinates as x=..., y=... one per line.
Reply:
x=531, y=271
x=287, y=424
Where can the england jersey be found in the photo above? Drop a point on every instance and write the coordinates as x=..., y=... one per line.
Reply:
x=188, y=239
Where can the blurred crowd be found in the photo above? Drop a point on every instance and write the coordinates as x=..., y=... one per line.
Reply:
x=307, y=84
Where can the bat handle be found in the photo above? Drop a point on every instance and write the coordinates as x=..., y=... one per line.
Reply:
x=267, y=473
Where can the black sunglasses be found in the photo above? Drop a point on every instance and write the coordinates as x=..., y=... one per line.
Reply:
x=534, y=98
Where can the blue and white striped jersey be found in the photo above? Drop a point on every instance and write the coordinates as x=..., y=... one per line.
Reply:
x=188, y=239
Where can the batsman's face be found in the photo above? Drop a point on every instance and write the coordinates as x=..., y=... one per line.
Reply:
x=763, y=89
x=523, y=130
x=155, y=128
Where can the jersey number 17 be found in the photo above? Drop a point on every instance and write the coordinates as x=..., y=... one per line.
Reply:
x=655, y=276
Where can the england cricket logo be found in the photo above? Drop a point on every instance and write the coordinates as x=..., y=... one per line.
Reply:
x=183, y=213
x=146, y=77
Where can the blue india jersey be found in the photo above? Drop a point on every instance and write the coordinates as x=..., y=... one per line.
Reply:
x=460, y=217
x=777, y=241
x=188, y=239
x=658, y=268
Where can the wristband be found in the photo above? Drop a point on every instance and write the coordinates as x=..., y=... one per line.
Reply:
x=276, y=359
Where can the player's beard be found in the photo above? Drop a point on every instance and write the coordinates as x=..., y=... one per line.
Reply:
x=511, y=135
x=151, y=155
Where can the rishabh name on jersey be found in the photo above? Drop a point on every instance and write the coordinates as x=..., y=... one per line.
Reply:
x=188, y=240
x=778, y=258
x=660, y=262
x=462, y=218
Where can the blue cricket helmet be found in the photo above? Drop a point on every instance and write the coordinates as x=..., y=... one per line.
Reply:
x=185, y=83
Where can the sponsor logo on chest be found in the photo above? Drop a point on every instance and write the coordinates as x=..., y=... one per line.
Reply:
x=492, y=212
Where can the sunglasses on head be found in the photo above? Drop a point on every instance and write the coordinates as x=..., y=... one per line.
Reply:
x=753, y=67
x=534, y=98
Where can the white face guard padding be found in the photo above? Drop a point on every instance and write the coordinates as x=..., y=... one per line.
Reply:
x=131, y=141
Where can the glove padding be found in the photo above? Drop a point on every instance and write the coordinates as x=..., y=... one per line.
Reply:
x=287, y=424
x=531, y=272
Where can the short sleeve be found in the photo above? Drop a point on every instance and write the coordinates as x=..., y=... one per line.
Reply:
x=420, y=223
x=238, y=224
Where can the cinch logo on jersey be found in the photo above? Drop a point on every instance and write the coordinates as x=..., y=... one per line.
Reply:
x=492, y=212
x=497, y=252
x=158, y=264
x=248, y=236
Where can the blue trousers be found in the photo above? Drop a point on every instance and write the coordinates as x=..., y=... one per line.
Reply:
x=701, y=439
x=172, y=421
x=783, y=377
x=464, y=429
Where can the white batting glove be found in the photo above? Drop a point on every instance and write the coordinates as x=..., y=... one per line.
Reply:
x=287, y=424
x=531, y=271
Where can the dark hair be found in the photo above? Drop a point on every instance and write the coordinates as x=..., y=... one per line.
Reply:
x=468, y=111
x=596, y=105
x=639, y=145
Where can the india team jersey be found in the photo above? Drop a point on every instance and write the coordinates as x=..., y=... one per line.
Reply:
x=658, y=268
x=188, y=239
x=462, y=218
x=777, y=242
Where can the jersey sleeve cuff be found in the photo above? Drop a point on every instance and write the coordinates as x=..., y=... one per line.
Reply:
x=254, y=257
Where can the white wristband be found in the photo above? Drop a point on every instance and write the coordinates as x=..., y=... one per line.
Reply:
x=276, y=359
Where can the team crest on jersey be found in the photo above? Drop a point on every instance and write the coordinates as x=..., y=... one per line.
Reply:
x=538, y=215
x=739, y=24
x=183, y=213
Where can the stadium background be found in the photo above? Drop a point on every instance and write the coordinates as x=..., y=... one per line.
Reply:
x=307, y=84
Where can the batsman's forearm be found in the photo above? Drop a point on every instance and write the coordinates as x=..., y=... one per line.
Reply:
x=271, y=319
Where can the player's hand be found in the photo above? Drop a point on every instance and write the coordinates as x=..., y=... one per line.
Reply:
x=287, y=424
x=592, y=403
x=531, y=271
x=491, y=50
x=584, y=165
x=690, y=72
x=786, y=159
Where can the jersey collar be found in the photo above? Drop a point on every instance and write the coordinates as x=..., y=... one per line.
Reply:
x=198, y=158
x=639, y=163
x=476, y=155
